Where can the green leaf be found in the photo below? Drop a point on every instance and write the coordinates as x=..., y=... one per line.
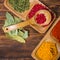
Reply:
x=17, y=20
x=17, y=34
x=25, y=35
x=10, y=19
x=20, y=33
x=18, y=38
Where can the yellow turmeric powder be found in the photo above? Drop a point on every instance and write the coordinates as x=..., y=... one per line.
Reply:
x=47, y=51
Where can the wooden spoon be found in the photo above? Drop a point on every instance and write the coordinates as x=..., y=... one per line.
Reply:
x=28, y=22
x=19, y=25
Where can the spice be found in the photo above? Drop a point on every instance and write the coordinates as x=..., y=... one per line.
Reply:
x=40, y=18
x=47, y=51
x=20, y=5
x=35, y=8
x=56, y=31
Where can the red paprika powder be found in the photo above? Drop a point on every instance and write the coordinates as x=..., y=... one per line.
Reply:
x=56, y=31
x=40, y=18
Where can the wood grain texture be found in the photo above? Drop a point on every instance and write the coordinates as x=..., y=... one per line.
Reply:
x=13, y=50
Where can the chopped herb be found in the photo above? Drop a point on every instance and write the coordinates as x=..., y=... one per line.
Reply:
x=20, y=5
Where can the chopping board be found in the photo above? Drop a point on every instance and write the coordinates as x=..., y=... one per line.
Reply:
x=13, y=50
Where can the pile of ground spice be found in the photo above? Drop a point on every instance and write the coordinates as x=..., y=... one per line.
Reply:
x=40, y=18
x=47, y=51
x=56, y=32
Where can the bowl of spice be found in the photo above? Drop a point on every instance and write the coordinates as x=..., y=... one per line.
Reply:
x=47, y=50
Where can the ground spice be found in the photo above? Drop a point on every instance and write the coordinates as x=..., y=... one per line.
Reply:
x=56, y=31
x=47, y=51
x=35, y=8
x=40, y=18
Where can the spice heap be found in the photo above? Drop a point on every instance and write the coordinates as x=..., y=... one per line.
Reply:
x=56, y=32
x=47, y=51
x=40, y=18
x=20, y=34
x=20, y=5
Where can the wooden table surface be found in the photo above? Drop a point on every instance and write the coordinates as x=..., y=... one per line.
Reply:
x=13, y=50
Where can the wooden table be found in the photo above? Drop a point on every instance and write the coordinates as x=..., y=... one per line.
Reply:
x=13, y=50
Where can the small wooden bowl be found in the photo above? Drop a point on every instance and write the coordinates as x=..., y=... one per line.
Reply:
x=43, y=29
x=47, y=37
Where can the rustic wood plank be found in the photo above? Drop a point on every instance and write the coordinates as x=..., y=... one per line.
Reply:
x=1, y=1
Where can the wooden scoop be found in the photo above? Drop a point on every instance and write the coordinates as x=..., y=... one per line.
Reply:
x=28, y=22
x=19, y=25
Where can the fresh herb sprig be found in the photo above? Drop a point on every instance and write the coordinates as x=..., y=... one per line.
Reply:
x=20, y=34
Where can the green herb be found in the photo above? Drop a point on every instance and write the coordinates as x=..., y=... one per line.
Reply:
x=20, y=5
x=17, y=34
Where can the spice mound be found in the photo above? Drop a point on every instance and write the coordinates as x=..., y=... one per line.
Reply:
x=56, y=32
x=47, y=51
x=40, y=18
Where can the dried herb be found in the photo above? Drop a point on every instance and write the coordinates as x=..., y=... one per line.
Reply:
x=20, y=5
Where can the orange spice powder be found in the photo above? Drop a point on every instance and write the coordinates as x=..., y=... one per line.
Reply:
x=47, y=51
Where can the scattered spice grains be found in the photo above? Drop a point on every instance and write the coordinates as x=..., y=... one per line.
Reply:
x=56, y=31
